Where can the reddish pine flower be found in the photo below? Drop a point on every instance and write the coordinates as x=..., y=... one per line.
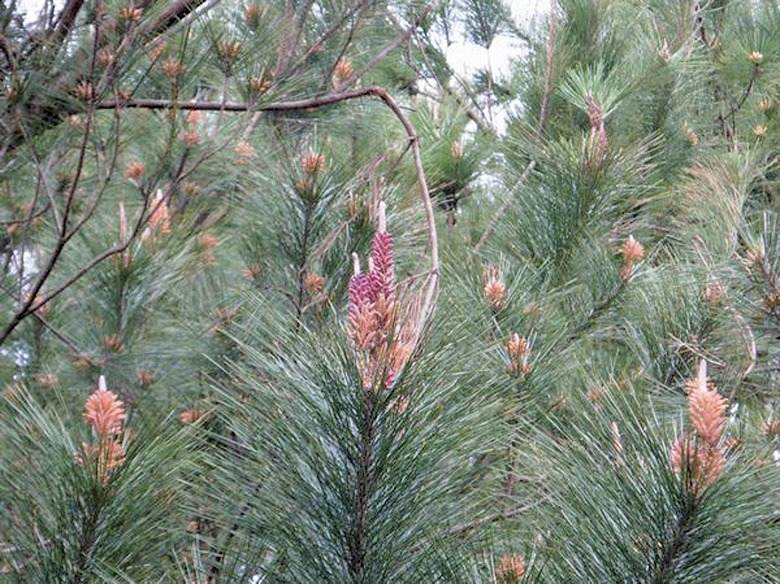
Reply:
x=519, y=351
x=145, y=378
x=313, y=163
x=493, y=287
x=252, y=271
x=173, y=69
x=382, y=340
x=190, y=416
x=207, y=241
x=104, y=411
x=714, y=293
x=511, y=569
x=134, y=170
x=131, y=13
x=245, y=152
x=632, y=250
x=697, y=455
x=48, y=379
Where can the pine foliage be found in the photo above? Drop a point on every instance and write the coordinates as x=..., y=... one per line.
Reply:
x=288, y=298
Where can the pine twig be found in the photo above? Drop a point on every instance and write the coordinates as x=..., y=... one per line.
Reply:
x=393, y=45
x=548, y=75
x=504, y=206
x=466, y=528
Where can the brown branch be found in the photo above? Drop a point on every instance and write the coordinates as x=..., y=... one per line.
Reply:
x=174, y=13
x=66, y=19
x=33, y=302
x=183, y=22
x=102, y=256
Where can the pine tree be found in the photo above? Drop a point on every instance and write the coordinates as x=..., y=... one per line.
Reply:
x=287, y=299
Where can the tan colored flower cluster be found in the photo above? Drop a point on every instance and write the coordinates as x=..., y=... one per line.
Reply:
x=191, y=416
x=245, y=152
x=755, y=57
x=493, y=287
x=698, y=455
x=173, y=69
x=691, y=135
x=714, y=293
x=253, y=14
x=159, y=218
x=342, y=71
x=207, y=242
x=456, y=150
x=191, y=137
x=597, y=141
x=258, y=85
x=130, y=13
x=314, y=283
x=632, y=252
x=134, y=170
x=313, y=163
x=229, y=51
x=519, y=351
x=84, y=90
x=252, y=271
x=511, y=569
x=105, y=412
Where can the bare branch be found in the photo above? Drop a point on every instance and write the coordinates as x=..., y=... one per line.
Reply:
x=173, y=14
x=67, y=18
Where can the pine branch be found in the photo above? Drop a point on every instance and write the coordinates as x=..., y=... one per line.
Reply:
x=548, y=76
x=736, y=106
x=467, y=528
x=66, y=19
x=675, y=544
x=358, y=544
x=302, y=261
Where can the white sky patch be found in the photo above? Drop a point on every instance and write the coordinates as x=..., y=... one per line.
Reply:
x=467, y=58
